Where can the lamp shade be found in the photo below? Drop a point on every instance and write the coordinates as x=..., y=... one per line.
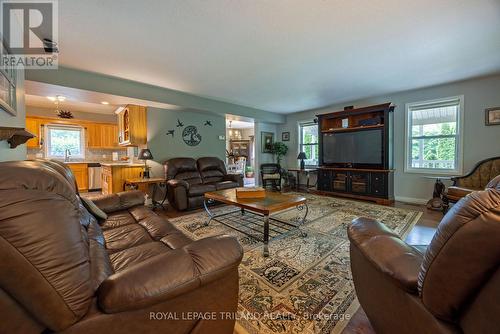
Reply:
x=145, y=154
x=302, y=155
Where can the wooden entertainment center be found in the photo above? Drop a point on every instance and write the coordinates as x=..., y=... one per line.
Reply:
x=373, y=181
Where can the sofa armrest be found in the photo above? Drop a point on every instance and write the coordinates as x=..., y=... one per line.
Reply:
x=238, y=178
x=119, y=201
x=386, y=252
x=174, y=183
x=169, y=275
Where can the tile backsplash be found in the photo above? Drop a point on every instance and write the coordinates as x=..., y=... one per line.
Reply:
x=91, y=154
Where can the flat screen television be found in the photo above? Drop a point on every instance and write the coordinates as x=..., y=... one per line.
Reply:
x=358, y=149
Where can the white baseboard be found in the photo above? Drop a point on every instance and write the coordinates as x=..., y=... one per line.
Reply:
x=411, y=200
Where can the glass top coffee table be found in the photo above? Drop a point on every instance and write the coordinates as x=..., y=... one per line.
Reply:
x=255, y=213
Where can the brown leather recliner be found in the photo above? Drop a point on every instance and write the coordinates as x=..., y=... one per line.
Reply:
x=61, y=270
x=188, y=180
x=451, y=287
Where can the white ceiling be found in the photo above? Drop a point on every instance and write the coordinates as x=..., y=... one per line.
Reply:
x=283, y=55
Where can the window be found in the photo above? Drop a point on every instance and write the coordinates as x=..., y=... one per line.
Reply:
x=309, y=143
x=64, y=137
x=434, y=136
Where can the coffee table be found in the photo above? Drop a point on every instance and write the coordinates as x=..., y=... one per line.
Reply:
x=257, y=212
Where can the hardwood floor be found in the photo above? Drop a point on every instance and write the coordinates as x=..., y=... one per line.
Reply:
x=421, y=234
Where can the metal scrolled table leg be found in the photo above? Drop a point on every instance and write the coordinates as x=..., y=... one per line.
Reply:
x=210, y=214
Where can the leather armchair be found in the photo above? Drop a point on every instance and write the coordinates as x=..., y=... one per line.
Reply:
x=475, y=180
x=188, y=180
x=451, y=286
x=63, y=270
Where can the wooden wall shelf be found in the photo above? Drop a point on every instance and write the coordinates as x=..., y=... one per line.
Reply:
x=15, y=136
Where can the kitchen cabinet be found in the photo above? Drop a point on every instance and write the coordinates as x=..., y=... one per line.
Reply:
x=98, y=135
x=33, y=126
x=132, y=126
x=80, y=171
x=101, y=135
x=114, y=175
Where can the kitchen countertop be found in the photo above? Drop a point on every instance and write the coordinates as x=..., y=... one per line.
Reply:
x=107, y=163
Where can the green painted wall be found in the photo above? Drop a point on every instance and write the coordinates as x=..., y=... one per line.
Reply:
x=165, y=147
x=480, y=141
x=6, y=119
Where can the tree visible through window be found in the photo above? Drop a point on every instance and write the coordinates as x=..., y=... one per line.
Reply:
x=309, y=143
x=62, y=138
x=434, y=136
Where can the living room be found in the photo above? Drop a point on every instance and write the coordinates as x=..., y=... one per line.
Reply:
x=250, y=167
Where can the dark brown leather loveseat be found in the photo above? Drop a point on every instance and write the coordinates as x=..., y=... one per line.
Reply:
x=188, y=180
x=62, y=270
x=451, y=287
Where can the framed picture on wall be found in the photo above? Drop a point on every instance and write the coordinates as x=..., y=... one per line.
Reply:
x=492, y=116
x=267, y=139
x=285, y=136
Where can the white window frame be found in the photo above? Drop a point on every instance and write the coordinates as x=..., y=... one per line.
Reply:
x=459, y=135
x=64, y=127
x=300, y=125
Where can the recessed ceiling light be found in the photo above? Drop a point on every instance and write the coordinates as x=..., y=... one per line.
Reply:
x=105, y=103
x=52, y=98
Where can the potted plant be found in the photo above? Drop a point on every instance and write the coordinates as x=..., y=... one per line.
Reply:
x=279, y=150
x=249, y=171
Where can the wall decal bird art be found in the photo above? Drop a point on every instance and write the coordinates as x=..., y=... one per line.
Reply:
x=170, y=132
x=208, y=123
x=179, y=123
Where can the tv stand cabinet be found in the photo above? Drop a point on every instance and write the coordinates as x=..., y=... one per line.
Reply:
x=372, y=182
x=374, y=185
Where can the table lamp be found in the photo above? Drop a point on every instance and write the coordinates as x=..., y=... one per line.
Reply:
x=145, y=154
x=301, y=157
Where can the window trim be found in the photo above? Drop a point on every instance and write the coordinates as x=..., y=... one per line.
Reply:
x=64, y=126
x=300, y=126
x=459, y=151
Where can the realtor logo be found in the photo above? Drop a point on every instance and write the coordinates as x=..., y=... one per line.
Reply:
x=29, y=32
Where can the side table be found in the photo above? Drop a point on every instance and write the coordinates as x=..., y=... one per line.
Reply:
x=306, y=171
x=143, y=185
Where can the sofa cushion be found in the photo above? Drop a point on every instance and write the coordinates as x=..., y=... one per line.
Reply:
x=124, y=237
x=128, y=257
x=200, y=189
x=226, y=185
x=211, y=169
x=182, y=169
x=93, y=209
x=275, y=176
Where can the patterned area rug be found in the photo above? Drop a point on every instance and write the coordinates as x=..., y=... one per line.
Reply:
x=305, y=285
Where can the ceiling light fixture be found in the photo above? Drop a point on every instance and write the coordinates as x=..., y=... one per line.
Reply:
x=105, y=103
x=58, y=98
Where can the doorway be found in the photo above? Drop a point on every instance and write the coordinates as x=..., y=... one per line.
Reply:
x=240, y=148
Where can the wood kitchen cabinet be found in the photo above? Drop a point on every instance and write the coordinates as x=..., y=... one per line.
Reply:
x=98, y=135
x=101, y=135
x=80, y=171
x=33, y=126
x=132, y=126
x=113, y=176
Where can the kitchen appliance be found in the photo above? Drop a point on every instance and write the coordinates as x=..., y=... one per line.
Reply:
x=94, y=171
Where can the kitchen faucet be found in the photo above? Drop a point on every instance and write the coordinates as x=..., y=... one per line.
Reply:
x=67, y=154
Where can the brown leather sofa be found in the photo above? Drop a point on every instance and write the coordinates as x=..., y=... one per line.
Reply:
x=452, y=286
x=61, y=270
x=188, y=180
x=476, y=180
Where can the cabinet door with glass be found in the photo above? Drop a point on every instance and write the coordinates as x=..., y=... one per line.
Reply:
x=340, y=181
x=360, y=182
